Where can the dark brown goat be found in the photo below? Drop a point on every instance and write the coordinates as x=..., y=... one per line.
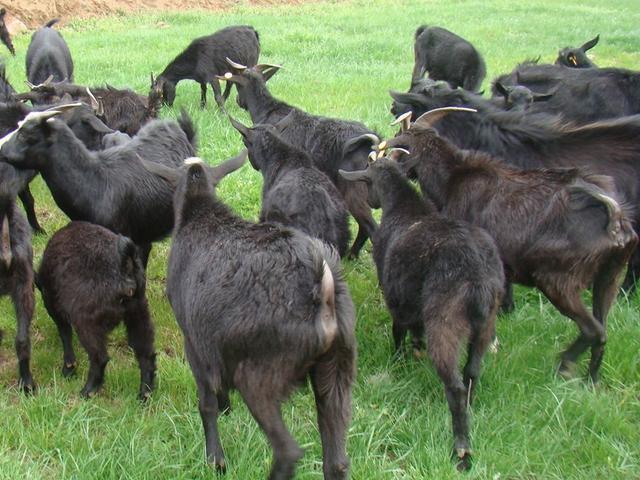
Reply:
x=92, y=279
x=557, y=229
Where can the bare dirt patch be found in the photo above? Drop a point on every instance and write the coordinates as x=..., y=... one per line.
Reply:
x=35, y=13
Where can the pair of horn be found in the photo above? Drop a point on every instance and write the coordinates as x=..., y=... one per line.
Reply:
x=428, y=119
x=34, y=117
x=261, y=67
x=31, y=86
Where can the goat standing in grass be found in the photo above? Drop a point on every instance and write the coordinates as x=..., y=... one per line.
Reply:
x=560, y=230
x=262, y=307
x=441, y=278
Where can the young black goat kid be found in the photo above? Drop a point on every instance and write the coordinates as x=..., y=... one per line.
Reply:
x=273, y=311
x=204, y=59
x=294, y=191
x=441, y=278
x=92, y=279
x=559, y=230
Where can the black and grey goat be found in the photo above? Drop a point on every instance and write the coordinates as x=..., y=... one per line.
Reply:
x=204, y=59
x=331, y=143
x=294, y=191
x=442, y=280
x=274, y=311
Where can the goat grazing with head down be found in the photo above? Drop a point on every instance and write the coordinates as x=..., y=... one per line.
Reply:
x=442, y=279
x=48, y=56
x=559, y=230
x=331, y=143
x=274, y=311
x=204, y=59
x=16, y=265
x=294, y=191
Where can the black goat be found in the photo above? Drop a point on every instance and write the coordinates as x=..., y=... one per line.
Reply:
x=446, y=56
x=112, y=187
x=48, y=55
x=120, y=109
x=577, y=57
x=559, y=230
x=92, y=279
x=16, y=265
x=331, y=143
x=273, y=311
x=5, y=37
x=442, y=279
x=204, y=59
x=580, y=95
x=294, y=191
x=518, y=97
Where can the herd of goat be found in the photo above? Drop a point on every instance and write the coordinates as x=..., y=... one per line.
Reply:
x=539, y=185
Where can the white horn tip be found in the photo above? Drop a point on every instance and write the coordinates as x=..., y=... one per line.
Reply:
x=401, y=118
x=193, y=161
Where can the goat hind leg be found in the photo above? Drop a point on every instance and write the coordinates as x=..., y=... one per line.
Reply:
x=265, y=408
x=140, y=335
x=24, y=303
x=29, y=209
x=217, y=93
x=356, y=199
x=203, y=95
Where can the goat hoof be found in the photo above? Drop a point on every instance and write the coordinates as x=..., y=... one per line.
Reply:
x=419, y=354
x=143, y=396
x=462, y=457
x=220, y=466
x=566, y=369
x=88, y=392
x=28, y=386
x=68, y=369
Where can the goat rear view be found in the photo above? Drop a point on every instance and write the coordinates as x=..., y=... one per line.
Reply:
x=559, y=230
x=92, y=279
x=48, y=55
x=446, y=56
x=274, y=311
x=442, y=279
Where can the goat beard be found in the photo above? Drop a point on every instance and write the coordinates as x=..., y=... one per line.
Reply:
x=6, y=243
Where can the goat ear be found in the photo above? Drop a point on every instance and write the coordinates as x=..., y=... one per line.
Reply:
x=225, y=168
x=269, y=73
x=243, y=129
x=356, y=176
x=501, y=89
x=98, y=125
x=590, y=44
x=367, y=139
x=284, y=122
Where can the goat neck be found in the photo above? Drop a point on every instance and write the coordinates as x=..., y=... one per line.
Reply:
x=263, y=107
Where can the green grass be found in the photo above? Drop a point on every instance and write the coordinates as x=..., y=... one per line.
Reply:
x=340, y=60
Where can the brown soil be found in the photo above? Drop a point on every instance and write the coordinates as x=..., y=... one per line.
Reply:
x=35, y=13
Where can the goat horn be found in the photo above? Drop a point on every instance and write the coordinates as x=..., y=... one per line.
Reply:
x=94, y=102
x=231, y=165
x=32, y=117
x=426, y=120
x=404, y=120
x=29, y=85
x=236, y=65
x=192, y=160
x=372, y=157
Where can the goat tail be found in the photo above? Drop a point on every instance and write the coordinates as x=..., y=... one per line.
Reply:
x=51, y=23
x=482, y=305
x=186, y=124
x=419, y=30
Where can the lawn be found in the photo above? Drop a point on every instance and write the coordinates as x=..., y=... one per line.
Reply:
x=340, y=59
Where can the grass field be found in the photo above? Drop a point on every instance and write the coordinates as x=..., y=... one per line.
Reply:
x=340, y=59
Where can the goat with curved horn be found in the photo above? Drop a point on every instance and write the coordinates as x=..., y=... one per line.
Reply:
x=429, y=118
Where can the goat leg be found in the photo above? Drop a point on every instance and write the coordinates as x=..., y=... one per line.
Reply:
x=140, y=336
x=29, y=209
x=217, y=92
x=24, y=304
x=203, y=95
x=95, y=343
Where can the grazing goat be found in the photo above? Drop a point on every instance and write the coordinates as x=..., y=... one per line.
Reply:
x=111, y=187
x=48, y=55
x=577, y=57
x=441, y=278
x=331, y=143
x=92, y=279
x=274, y=311
x=559, y=230
x=120, y=109
x=446, y=56
x=5, y=37
x=16, y=265
x=294, y=191
x=204, y=59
